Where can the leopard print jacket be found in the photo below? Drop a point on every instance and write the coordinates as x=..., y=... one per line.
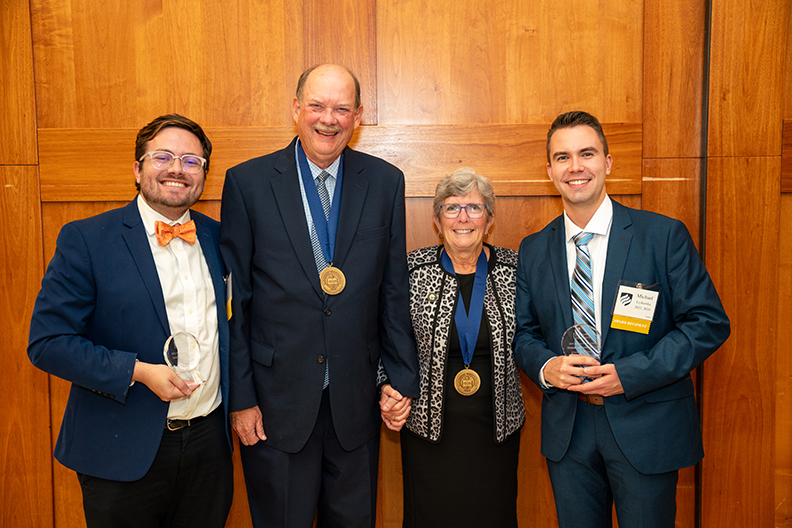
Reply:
x=433, y=295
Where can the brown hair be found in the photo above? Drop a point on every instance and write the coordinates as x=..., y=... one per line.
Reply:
x=150, y=131
x=573, y=119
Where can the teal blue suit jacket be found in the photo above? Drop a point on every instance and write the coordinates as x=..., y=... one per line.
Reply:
x=99, y=309
x=655, y=422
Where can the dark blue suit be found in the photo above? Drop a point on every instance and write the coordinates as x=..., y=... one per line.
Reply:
x=655, y=422
x=284, y=326
x=100, y=308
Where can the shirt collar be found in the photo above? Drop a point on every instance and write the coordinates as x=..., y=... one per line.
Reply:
x=599, y=223
x=150, y=216
x=316, y=170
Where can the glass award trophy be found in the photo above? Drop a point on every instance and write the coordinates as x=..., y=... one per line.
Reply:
x=182, y=354
x=581, y=339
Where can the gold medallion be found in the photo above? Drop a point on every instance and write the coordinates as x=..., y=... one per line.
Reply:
x=467, y=382
x=332, y=280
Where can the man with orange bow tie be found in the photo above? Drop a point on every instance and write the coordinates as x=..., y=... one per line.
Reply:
x=150, y=441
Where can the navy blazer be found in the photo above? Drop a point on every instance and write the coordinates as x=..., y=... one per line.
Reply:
x=655, y=421
x=284, y=326
x=101, y=307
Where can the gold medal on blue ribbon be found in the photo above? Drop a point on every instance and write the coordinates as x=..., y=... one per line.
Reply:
x=332, y=280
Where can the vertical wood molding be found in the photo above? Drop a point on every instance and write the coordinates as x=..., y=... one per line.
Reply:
x=26, y=454
x=739, y=379
x=17, y=96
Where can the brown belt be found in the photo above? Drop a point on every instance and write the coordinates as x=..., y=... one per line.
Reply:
x=591, y=399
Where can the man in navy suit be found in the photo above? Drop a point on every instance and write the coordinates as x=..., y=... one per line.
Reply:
x=149, y=448
x=621, y=435
x=314, y=237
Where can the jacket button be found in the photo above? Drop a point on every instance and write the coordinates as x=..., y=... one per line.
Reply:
x=328, y=311
x=320, y=359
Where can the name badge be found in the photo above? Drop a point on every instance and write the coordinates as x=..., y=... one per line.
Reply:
x=634, y=307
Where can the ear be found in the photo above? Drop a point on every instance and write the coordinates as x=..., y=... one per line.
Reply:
x=136, y=170
x=295, y=109
x=437, y=223
x=608, y=164
x=550, y=172
x=358, y=116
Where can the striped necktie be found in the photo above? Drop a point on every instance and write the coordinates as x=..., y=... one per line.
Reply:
x=321, y=263
x=582, y=283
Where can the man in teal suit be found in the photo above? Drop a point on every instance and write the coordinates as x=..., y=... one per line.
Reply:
x=615, y=430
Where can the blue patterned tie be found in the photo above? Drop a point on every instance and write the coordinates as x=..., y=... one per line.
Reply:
x=319, y=257
x=582, y=283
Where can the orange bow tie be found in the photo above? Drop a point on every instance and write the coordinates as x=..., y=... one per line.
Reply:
x=166, y=233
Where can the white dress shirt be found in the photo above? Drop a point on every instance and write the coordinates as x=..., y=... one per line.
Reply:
x=600, y=225
x=190, y=305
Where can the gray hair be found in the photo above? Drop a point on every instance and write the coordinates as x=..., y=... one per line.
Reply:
x=461, y=182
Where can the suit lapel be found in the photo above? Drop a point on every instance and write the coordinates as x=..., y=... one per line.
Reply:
x=208, y=247
x=286, y=189
x=618, y=247
x=353, y=196
x=560, y=268
x=138, y=244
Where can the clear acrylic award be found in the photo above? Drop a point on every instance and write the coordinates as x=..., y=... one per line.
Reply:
x=182, y=354
x=582, y=339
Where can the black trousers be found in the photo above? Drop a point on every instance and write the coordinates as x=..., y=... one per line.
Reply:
x=338, y=487
x=190, y=484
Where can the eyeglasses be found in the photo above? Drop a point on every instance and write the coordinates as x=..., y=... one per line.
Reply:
x=163, y=160
x=473, y=211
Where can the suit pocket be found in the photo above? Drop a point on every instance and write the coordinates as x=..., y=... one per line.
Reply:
x=676, y=391
x=261, y=353
x=368, y=234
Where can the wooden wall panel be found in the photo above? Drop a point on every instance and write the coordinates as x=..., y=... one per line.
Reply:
x=739, y=379
x=674, y=47
x=512, y=156
x=17, y=99
x=786, y=156
x=672, y=187
x=345, y=34
x=783, y=433
x=747, y=77
x=465, y=61
x=118, y=64
x=25, y=452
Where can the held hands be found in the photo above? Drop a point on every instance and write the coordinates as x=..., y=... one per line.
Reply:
x=162, y=381
x=563, y=371
x=249, y=425
x=394, y=408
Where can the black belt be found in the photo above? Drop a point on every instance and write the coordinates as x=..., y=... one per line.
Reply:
x=175, y=425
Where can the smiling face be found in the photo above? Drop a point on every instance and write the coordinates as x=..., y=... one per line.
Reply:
x=463, y=235
x=578, y=167
x=326, y=116
x=171, y=192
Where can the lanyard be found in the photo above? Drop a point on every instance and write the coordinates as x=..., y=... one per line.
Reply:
x=326, y=228
x=469, y=324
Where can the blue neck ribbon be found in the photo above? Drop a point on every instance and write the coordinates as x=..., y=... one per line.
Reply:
x=469, y=323
x=326, y=228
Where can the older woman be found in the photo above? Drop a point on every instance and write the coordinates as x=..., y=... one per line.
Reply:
x=461, y=442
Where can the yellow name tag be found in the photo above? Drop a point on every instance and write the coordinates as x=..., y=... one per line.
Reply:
x=633, y=309
x=631, y=324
